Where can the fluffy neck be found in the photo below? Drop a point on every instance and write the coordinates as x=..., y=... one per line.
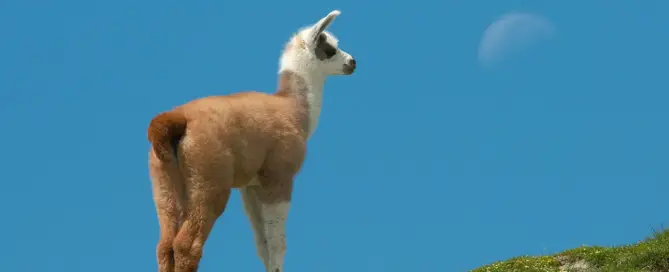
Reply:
x=306, y=88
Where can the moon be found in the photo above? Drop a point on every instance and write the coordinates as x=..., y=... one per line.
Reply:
x=511, y=34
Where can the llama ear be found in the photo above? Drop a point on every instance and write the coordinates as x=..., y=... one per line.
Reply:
x=323, y=24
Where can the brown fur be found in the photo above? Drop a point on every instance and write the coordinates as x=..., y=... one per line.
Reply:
x=164, y=130
x=221, y=143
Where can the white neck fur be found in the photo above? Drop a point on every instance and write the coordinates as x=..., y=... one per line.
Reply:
x=315, y=82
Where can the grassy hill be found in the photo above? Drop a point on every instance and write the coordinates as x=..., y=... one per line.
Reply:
x=650, y=255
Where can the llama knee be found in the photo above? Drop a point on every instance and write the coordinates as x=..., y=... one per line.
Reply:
x=164, y=248
x=276, y=244
x=261, y=249
x=187, y=247
x=187, y=254
x=165, y=255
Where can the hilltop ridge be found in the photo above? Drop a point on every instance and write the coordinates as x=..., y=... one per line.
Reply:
x=648, y=255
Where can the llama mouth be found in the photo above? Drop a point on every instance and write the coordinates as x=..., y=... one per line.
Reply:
x=348, y=69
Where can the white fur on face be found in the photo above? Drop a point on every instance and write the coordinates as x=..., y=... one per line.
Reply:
x=300, y=55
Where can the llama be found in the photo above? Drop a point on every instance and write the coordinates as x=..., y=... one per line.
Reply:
x=252, y=141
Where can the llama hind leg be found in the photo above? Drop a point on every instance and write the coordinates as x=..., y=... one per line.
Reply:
x=253, y=210
x=164, y=250
x=165, y=188
x=204, y=207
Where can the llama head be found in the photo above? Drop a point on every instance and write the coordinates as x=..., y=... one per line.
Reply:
x=314, y=50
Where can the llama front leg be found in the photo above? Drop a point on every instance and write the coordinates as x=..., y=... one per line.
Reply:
x=274, y=197
x=253, y=210
x=274, y=217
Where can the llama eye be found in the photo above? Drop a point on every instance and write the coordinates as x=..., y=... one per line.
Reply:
x=323, y=49
x=329, y=52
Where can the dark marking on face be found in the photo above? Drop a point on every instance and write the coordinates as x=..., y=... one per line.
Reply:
x=324, y=50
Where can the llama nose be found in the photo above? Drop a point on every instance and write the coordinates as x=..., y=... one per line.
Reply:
x=351, y=62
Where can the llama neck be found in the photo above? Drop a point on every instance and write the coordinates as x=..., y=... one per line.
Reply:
x=307, y=91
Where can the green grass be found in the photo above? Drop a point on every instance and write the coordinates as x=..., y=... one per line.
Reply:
x=649, y=255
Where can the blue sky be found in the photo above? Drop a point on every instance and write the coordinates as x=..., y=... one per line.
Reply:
x=423, y=160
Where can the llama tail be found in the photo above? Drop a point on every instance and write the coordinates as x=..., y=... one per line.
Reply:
x=165, y=131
